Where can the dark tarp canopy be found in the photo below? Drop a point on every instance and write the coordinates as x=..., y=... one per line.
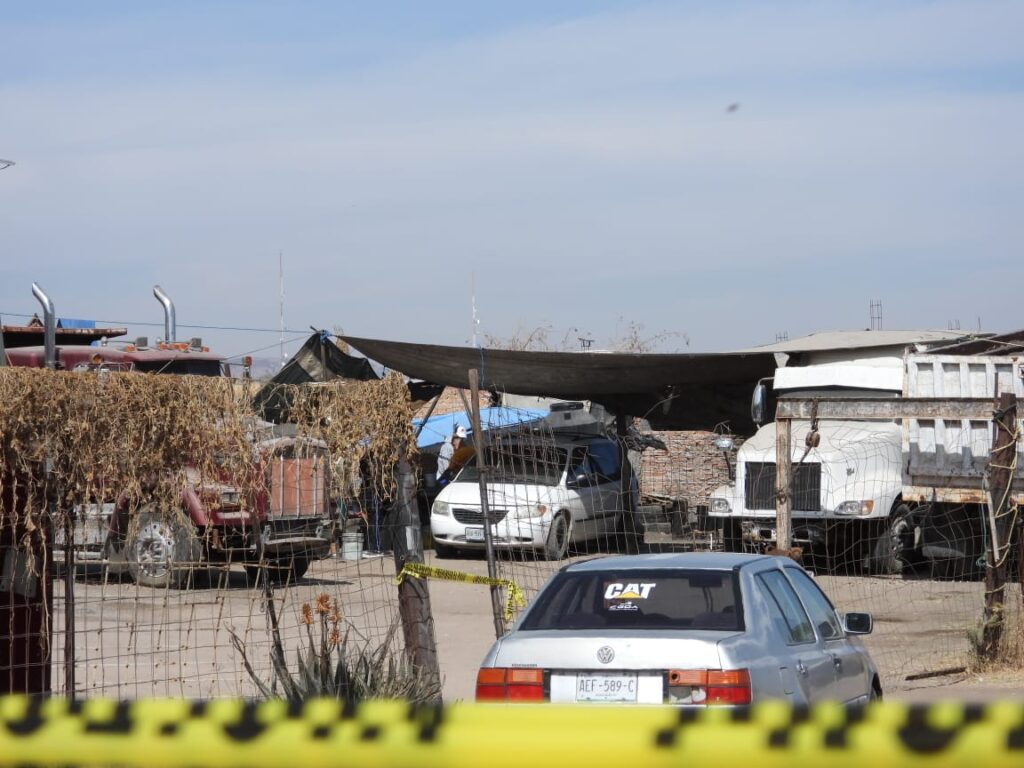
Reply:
x=671, y=391
x=320, y=360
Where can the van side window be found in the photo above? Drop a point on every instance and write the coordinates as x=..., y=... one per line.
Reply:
x=580, y=463
x=605, y=456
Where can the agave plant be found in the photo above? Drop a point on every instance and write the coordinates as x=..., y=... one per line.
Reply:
x=328, y=666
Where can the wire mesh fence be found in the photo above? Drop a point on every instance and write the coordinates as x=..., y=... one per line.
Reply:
x=103, y=596
x=918, y=567
x=133, y=641
x=153, y=530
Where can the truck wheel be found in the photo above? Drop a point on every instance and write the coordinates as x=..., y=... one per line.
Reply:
x=283, y=570
x=162, y=549
x=732, y=537
x=894, y=549
x=557, y=545
x=290, y=569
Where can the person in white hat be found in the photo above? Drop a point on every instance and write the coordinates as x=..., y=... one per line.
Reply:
x=444, y=456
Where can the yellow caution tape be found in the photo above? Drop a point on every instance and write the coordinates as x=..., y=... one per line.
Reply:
x=325, y=732
x=515, y=596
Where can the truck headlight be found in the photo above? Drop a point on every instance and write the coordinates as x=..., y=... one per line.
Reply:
x=858, y=508
x=441, y=508
x=720, y=507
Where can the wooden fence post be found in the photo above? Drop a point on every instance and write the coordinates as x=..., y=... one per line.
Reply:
x=413, y=594
x=783, y=483
x=497, y=607
x=1000, y=474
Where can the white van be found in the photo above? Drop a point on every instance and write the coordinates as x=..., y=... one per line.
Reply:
x=542, y=495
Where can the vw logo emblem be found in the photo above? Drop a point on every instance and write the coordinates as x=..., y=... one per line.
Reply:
x=605, y=654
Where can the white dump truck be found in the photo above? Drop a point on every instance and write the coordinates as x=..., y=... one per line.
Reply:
x=876, y=494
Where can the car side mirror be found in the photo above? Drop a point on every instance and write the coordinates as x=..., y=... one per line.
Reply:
x=858, y=623
x=579, y=480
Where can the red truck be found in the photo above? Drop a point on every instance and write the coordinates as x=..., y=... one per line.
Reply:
x=290, y=522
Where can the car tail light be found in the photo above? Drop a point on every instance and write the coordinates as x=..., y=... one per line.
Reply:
x=709, y=686
x=509, y=684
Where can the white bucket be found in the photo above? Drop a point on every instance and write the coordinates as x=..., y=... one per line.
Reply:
x=352, y=545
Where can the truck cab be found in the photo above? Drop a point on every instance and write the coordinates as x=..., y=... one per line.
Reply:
x=846, y=474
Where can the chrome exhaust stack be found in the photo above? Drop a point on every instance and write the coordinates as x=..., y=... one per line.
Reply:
x=49, y=326
x=170, y=325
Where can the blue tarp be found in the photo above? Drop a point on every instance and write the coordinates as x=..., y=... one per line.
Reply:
x=70, y=322
x=438, y=428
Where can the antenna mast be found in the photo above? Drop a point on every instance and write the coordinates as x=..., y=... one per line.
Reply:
x=280, y=279
x=472, y=289
x=875, y=310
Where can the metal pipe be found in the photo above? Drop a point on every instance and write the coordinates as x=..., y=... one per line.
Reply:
x=170, y=325
x=49, y=326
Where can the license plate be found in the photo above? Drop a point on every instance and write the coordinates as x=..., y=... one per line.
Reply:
x=474, y=534
x=606, y=686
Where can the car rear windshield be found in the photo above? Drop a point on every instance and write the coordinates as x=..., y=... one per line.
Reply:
x=534, y=464
x=638, y=599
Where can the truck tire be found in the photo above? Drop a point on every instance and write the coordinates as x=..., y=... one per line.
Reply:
x=732, y=537
x=894, y=550
x=281, y=570
x=162, y=548
x=285, y=570
x=557, y=545
x=289, y=569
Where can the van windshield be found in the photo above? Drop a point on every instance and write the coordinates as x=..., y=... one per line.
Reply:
x=519, y=463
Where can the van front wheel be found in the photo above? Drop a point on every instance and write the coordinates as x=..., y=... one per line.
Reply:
x=557, y=545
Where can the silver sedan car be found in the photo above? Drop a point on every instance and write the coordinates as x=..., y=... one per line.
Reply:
x=691, y=629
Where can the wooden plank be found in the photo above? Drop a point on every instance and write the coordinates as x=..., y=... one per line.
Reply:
x=977, y=409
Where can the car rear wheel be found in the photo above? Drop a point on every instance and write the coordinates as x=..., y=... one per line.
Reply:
x=162, y=548
x=876, y=690
x=557, y=545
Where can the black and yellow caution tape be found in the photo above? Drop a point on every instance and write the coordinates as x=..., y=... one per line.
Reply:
x=513, y=598
x=225, y=733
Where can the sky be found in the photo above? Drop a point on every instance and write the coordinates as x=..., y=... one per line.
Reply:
x=715, y=174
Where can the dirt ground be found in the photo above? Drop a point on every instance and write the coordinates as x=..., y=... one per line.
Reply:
x=136, y=642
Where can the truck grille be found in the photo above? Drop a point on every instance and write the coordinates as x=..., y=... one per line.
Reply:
x=476, y=517
x=759, y=486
